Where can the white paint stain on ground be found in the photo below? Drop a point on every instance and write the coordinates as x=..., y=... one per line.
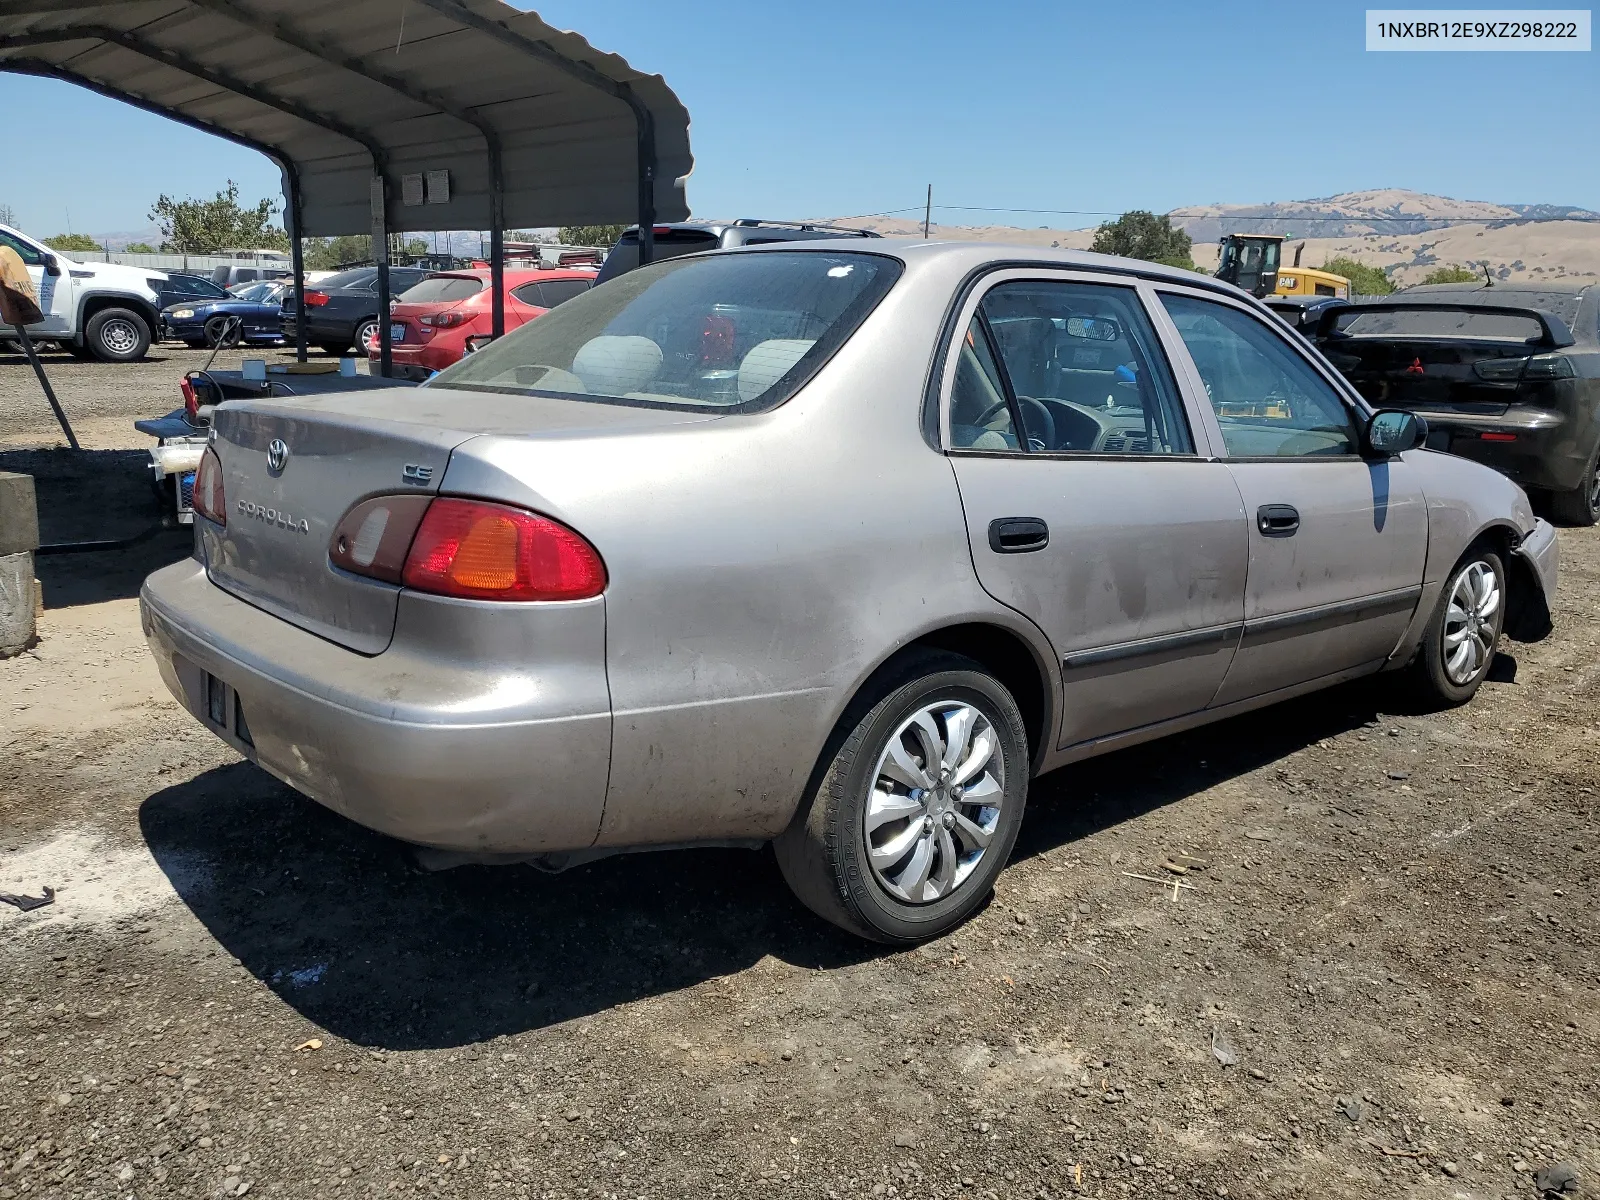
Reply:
x=97, y=882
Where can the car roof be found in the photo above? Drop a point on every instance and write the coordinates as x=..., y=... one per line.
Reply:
x=972, y=256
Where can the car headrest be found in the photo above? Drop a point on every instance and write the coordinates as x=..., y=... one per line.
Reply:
x=769, y=362
x=615, y=366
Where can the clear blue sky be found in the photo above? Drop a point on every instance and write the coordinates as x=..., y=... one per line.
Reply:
x=835, y=108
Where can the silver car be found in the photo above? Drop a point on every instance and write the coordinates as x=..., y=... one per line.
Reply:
x=830, y=545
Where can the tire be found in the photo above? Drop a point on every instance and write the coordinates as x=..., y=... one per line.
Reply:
x=117, y=335
x=333, y=348
x=825, y=854
x=224, y=331
x=1580, y=505
x=1438, y=674
x=366, y=336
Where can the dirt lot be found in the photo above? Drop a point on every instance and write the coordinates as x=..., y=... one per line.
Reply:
x=1388, y=924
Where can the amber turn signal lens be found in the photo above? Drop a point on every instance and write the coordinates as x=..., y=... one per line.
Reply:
x=481, y=551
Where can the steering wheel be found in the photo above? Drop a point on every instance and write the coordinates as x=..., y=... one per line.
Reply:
x=1048, y=441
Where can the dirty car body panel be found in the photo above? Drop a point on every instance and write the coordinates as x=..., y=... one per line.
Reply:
x=785, y=501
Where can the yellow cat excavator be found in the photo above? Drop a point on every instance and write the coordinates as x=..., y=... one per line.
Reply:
x=1251, y=261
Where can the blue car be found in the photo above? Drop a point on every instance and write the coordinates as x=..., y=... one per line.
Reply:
x=253, y=316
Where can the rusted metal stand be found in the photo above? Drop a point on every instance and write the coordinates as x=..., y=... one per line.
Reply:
x=44, y=382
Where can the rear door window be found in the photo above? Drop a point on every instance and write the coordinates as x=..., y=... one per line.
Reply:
x=1084, y=370
x=551, y=292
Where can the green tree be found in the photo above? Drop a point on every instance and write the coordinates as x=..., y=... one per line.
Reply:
x=324, y=254
x=590, y=235
x=1454, y=273
x=416, y=247
x=1140, y=234
x=221, y=223
x=1365, y=280
x=72, y=241
x=138, y=248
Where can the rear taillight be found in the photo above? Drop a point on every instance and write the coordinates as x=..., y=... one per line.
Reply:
x=316, y=299
x=717, y=338
x=481, y=551
x=209, y=500
x=1511, y=370
x=444, y=320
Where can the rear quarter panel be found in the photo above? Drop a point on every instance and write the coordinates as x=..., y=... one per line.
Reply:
x=761, y=567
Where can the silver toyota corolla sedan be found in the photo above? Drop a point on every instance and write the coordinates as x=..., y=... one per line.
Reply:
x=829, y=545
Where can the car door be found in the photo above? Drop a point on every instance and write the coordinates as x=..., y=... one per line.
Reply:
x=54, y=291
x=1092, y=504
x=1337, y=541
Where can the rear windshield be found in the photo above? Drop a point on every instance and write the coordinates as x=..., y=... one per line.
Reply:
x=439, y=288
x=670, y=243
x=738, y=332
x=1428, y=322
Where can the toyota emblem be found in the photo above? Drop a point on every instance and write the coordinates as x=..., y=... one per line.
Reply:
x=277, y=456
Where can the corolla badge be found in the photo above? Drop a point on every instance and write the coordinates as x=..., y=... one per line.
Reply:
x=277, y=455
x=273, y=516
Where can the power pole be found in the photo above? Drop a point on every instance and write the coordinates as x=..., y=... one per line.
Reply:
x=927, y=213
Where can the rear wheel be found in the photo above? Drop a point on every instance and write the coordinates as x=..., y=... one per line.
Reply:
x=117, y=335
x=916, y=810
x=367, y=337
x=1580, y=505
x=1459, y=645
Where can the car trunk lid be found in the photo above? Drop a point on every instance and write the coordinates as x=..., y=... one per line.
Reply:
x=336, y=452
x=1442, y=356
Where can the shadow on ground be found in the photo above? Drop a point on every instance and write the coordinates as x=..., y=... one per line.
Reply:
x=338, y=923
x=96, y=495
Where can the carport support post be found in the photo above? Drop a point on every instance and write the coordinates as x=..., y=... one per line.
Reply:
x=380, y=254
x=497, y=239
x=297, y=250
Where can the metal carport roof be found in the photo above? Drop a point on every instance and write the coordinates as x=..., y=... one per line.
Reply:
x=529, y=125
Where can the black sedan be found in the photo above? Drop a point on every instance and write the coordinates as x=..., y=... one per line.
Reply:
x=342, y=310
x=1508, y=375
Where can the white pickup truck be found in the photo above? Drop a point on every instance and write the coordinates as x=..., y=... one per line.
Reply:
x=94, y=309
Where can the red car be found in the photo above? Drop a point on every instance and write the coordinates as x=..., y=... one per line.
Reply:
x=429, y=324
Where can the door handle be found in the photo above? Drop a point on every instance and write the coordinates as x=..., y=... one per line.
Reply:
x=1018, y=535
x=1278, y=520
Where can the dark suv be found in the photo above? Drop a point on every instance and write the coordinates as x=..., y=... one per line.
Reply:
x=690, y=237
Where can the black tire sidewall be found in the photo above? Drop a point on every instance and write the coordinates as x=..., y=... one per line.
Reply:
x=356, y=339
x=1435, y=679
x=223, y=328
x=882, y=916
x=97, y=347
x=1573, y=507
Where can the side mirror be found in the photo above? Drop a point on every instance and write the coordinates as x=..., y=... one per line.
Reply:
x=52, y=265
x=1393, y=431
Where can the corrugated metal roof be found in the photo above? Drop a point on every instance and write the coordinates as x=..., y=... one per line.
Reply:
x=332, y=87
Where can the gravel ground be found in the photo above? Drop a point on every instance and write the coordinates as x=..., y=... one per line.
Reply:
x=1375, y=976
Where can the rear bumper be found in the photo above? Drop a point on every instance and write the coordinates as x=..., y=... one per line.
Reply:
x=1544, y=453
x=446, y=744
x=414, y=362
